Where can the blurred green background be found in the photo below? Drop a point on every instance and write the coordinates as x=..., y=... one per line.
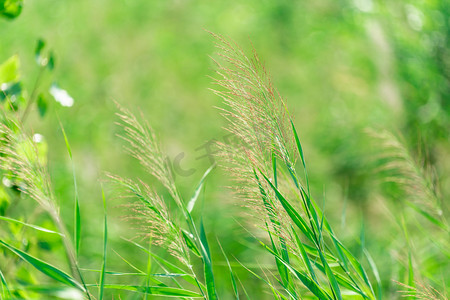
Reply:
x=342, y=66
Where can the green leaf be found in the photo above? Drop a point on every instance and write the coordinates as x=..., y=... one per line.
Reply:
x=188, y=238
x=77, y=215
x=277, y=294
x=293, y=214
x=9, y=70
x=29, y=225
x=194, y=198
x=299, y=145
x=105, y=240
x=305, y=256
x=4, y=200
x=331, y=278
x=375, y=272
x=44, y=267
x=38, y=51
x=347, y=255
x=173, y=268
x=156, y=290
x=12, y=91
x=10, y=9
x=5, y=285
x=206, y=255
x=233, y=281
x=60, y=292
x=66, y=140
x=51, y=61
x=42, y=105
x=428, y=216
x=310, y=284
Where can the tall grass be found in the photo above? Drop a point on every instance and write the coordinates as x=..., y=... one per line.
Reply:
x=269, y=172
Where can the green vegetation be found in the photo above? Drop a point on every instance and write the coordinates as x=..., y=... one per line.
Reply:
x=337, y=193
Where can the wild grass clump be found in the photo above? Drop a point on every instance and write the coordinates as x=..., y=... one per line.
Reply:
x=270, y=180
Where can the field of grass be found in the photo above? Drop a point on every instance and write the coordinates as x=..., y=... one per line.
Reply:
x=243, y=150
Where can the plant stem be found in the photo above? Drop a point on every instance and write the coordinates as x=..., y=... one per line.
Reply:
x=33, y=94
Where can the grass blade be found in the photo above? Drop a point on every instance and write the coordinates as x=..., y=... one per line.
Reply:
x=310, y=284
x=194, y=198
x=233, y=281
x=5, y=285
x=305, y=257
x=77, y=217
x=30, y=225
x=375, y=272
x=293, y=214
x=105, y=239
x=156, y=290
x=206, y=255
x=44, y=267
x=188, y=238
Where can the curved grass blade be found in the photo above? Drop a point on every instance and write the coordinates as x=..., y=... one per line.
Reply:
x=194, y=198
x=375, y=272
x=206, y=255
x=173, y=268
x=30, y=225
x=188, y=238
x=233, y=281
x=428, y=216
x=300, y=151
x=156, y=290
x=310, y=284
x=275, y=290
x=45, y=268
x=77, y=217
x=4, y=286
x=51, y=291
x=293, y=214
x=105, y=239
x=305, y=256
x=348, y=256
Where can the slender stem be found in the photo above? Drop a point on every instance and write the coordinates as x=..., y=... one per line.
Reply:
x=70, y=252
x=33, y=94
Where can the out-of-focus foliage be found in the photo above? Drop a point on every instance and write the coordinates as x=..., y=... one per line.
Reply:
x=10, y=8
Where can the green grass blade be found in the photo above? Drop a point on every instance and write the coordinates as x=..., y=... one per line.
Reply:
x=282, y=270
x=274, y=167
x=194, y=198
x=233, y=280
x=77, y=216
x=44, y=267
x=375, y=272
x=190, y=243
x=428, y=216
x=411, y=281
x=293, y=214
x=206, y=255
x=302, y=157
x=305, y=257
x=29, y=225
x=343, y=281
x=310, y=284
x=49, y=291
x=347, y=255
x=156, y=290
x=173, y=268
x=4, y=285
x=149, y=267
x=275, y=290
x=105, y=240
x=331, y=278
